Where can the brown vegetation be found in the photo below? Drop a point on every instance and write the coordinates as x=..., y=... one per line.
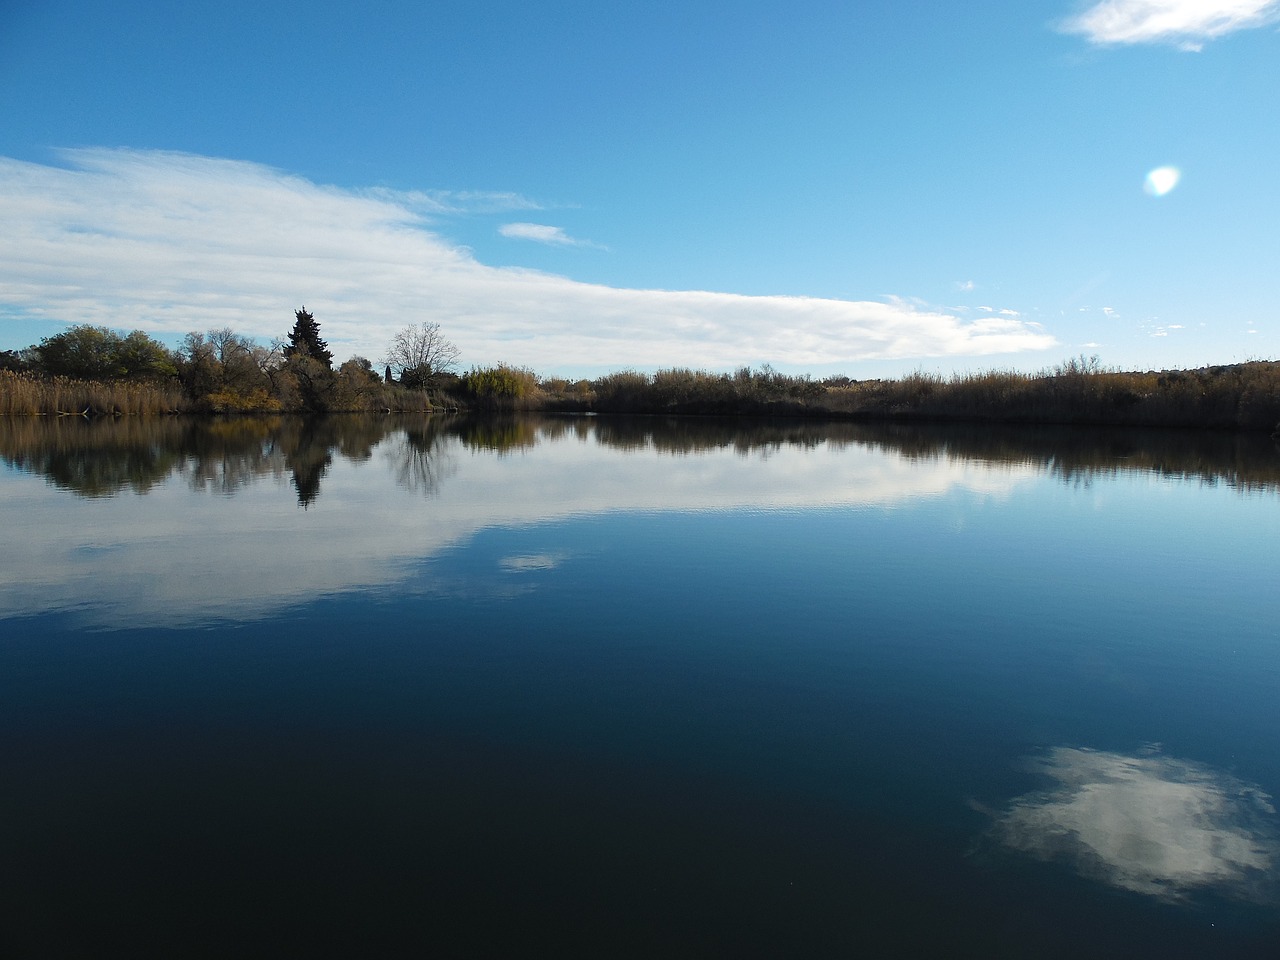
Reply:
x=1242, y=396
x=26, y=394
x=680, y=390
x=94, y=371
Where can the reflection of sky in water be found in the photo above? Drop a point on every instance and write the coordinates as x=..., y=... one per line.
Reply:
x=530, y=563
x=174, y=556
x=1150, y=824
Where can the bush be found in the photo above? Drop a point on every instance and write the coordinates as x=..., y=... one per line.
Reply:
x=86, y=352
x=501, y=387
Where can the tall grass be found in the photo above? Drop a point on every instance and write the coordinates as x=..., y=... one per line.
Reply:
x=502, y=388
x=28, y=394
x=24, y=394
x=680, y=390
x=1239, y=396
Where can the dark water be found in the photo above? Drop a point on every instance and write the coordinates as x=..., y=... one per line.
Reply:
x=586, y=687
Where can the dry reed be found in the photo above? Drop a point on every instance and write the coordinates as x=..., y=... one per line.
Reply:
x=25, y=394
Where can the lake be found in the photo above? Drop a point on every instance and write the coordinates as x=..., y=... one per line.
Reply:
x=637, y=687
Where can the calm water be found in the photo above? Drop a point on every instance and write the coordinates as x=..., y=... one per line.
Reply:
x=637, y=688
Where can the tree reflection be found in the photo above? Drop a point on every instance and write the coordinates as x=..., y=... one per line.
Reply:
x=1249, y=461
x=307, y=446
x=420, y=457
x=93, y=458
x=104, y=457
x=307, y=456
x=501, y=434
x=224, y=456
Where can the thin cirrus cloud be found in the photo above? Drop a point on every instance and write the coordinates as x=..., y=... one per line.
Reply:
x=1186, y=23
x=455, y=202
x=542, y=233
x=172, y=242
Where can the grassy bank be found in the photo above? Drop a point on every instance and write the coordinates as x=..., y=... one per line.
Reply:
x=1244, y=396
x=1240, y=396
x=29, y=394
x=24, y=394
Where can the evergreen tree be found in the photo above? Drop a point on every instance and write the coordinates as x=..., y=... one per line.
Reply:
x=304, y=340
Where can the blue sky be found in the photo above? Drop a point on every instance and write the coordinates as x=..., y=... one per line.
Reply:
x=858, y=187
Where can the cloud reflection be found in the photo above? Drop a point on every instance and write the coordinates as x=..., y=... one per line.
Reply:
x=1151, y=824
x=531, y=563
x=171, y=557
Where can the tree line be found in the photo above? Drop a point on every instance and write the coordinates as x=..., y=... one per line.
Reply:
x=221, y=371
x=89, y=369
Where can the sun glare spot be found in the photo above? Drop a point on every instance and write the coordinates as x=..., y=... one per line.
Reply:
x=1161, y=180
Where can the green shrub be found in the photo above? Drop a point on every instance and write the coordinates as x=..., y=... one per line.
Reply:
x=501, y=387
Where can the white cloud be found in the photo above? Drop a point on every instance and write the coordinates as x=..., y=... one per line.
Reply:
x=169, y=242
x=964, y=285
x=1161, y=181
x=541, y=233
x=1187, y=23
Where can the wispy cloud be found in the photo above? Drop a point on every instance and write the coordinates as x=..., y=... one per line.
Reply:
x=169, y=242
x=1186, y=23
x=455, y=202
x=542, y=233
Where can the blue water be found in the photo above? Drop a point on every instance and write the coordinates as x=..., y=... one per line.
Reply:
x=608, y=688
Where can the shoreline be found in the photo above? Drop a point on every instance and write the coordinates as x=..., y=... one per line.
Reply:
x=1241, y=397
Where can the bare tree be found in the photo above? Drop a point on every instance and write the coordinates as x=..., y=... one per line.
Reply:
x=418, y=354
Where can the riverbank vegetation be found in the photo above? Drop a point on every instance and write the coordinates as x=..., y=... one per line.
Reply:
x=1243, y=396
x=95, y=371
